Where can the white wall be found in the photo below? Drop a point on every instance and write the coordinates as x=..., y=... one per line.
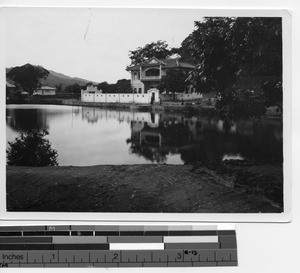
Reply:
x=119, y=97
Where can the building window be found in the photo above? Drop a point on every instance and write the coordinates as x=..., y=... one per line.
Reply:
x=140, y=90
x=153, y=72
x=134, y=90
x=136, y=76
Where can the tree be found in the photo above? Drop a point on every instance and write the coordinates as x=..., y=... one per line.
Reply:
x=175, y=81
x=157, y=49
x=74, y=88
x=58, y=88
x=103, y=86
x=228, y=48
x=28, y=76
x=123, y=86
x=272, y=91
x=31, y=149
x=236, y=103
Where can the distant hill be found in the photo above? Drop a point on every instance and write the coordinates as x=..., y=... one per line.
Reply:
x=56, y=78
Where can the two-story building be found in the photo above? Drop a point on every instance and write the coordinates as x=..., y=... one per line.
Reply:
x=148, y=74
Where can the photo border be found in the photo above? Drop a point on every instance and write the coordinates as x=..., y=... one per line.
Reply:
x=169, y=217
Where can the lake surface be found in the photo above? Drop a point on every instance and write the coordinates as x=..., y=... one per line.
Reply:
x=85, y=136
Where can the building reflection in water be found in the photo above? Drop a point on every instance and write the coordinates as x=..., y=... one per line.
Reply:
x=205, y=139
x=156, y=136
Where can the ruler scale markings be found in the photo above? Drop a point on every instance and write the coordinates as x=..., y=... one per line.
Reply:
x=179, y=246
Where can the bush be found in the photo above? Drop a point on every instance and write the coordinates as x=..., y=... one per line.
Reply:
x=240, y=103
x=31, y=149
x=273, y=94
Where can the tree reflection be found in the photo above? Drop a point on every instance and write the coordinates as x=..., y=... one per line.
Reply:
x=207, y=140
x=26, y=119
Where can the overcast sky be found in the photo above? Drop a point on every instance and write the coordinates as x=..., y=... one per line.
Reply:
x=90, y=43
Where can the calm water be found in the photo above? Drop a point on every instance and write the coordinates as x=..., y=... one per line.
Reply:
x=86, y=136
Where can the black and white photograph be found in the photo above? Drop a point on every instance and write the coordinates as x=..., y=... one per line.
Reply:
x=113, y=110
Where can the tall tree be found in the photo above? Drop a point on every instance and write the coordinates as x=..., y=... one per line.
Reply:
x=74, y=88
x=159, y=49
x=123, y=86
x=28, y=76
x=227, y=48
x=58, y=88
x=175, y=81
x=103, y=86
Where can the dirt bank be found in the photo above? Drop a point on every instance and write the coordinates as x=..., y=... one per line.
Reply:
x=129, y=188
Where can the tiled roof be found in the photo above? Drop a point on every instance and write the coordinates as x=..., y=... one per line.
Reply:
x=166, y=63
x=172, y=63
x=132, y=68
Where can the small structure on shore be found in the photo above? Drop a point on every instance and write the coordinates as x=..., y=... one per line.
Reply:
x=10, y=88
x=45, y=91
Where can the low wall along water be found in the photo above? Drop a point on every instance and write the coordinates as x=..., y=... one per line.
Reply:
x=92, y=94
x=95, y=95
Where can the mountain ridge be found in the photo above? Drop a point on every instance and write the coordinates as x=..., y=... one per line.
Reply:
x=57, y=78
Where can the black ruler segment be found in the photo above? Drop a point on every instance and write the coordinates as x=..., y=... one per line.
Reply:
x=82, y=233
x=12, y=233
x=117, y=246
x=107, y=233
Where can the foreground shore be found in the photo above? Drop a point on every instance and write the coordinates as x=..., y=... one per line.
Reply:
x=142, y=188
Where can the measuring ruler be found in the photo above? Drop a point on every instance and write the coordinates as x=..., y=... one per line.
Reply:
x=117, y=246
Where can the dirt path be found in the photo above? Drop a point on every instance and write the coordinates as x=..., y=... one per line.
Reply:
x=127, y=188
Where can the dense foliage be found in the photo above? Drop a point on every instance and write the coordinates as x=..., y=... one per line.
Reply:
x=236, y=103
x=159, y=49
x=230, y=49
x=74, y=88
x=31, y=149
x=28, y=76
x=227, y=48
x=175, y=81
x=121, y=86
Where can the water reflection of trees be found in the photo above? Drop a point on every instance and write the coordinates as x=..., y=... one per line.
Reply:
x=26, y=119
x=207, y=139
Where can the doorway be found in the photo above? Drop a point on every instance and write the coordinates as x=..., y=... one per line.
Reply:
x=152, y=97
